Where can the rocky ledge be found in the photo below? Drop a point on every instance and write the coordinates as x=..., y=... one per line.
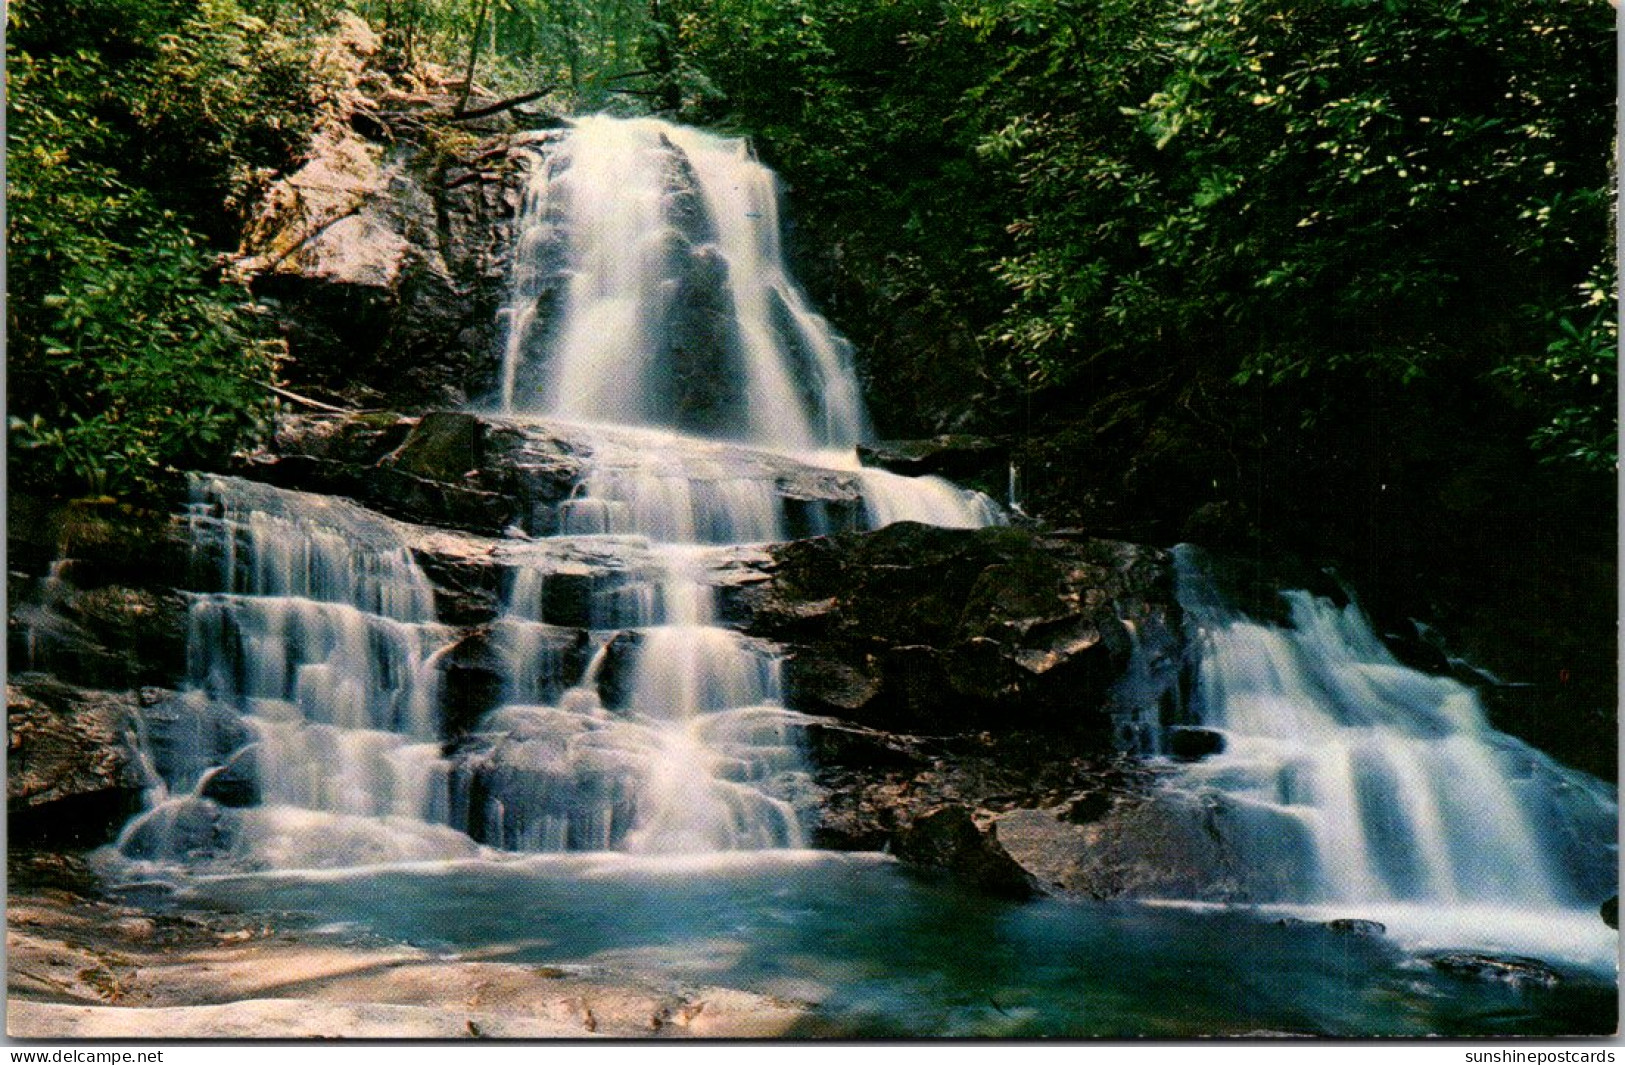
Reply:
x=954, y=678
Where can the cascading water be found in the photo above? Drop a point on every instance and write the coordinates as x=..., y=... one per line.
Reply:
x=650, y=289
x=1350, y=778
x=309, y=728
x=652, y=311
x=707, y=410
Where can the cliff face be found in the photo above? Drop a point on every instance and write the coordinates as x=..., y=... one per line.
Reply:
x=384, y=257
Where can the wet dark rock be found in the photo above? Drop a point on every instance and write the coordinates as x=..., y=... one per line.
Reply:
x=467, y=585
x=1356, y=926
x=443, y=446
x=1141, y=846
x=568, y=598
x=920, y=629
x=237, y=783
x=448, y=468
x=874, y=785
x=475, y=675
x=473, y=678
x=91, y=592
x=701, y=351
x=455, y=506
x=618, y=674
x=1610, y=912
x=188, y=829
x=72, y=776
x=104, y=543
x=948, y=839
x=1190, y=744
x=1516, y=971
x=111, y=636
x=1086, y=807
x=832, y=743
x=956, y=456
x=187, y=734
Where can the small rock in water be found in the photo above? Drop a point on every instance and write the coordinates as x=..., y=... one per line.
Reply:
x=1357, y=926
x=1519, y=972
x=1610, y=912
x=1190, y=744
x=948, y=838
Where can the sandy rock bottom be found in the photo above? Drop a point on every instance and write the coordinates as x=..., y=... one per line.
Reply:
x=85, y=968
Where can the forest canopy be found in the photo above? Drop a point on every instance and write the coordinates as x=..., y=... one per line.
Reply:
x=1282, y=191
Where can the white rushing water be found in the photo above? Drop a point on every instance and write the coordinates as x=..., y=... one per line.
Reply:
x=1378, y=785
x=312, y=679
x=652, y=312
x=650, y=289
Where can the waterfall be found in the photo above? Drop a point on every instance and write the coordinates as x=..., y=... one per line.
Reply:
x=1349, y=778
x=651, y=310
x=649, y=288
x=308, y=731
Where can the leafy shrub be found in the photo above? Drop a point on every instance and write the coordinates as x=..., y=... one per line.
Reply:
x=130, y=124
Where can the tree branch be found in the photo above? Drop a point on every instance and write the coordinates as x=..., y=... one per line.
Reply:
x=498, y=108
x=313, y=403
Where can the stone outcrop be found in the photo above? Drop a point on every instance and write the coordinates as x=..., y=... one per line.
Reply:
x=71, y=770
x=383, y=257
x=949, y=839
x=975, y=461
x=920, y=629
x=968, y=670
x=488, y=474
x=92, y=588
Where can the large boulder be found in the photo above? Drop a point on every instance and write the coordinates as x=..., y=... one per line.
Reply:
x=1135, y=845
x=72, y=772
x=948, y=838
x=920, y=629
x=383, y=257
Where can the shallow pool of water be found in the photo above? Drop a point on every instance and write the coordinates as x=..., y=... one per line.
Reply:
x=881, y=951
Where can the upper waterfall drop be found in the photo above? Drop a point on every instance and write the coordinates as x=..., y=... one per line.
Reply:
x=649, y=288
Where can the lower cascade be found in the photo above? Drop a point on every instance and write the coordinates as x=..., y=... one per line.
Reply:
x=311, y=732
x=1346, y=777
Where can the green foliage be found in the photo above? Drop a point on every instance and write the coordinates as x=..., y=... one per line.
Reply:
x=1236, y=191
x=1355, y=183
x=584, y=50
x=1576, y=378
x=127, y=356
